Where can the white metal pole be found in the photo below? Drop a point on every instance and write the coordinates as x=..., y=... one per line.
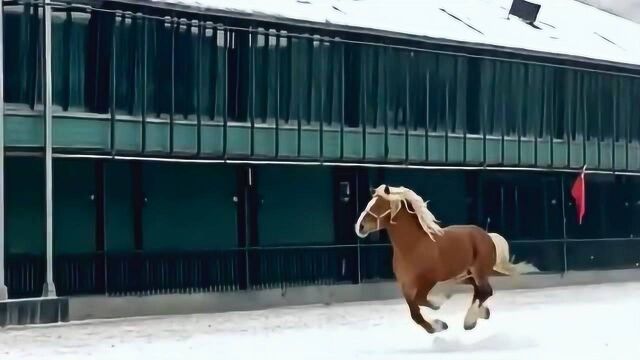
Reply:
x=49, y=287
x=3, y=287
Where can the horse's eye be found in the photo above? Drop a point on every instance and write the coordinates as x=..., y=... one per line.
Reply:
x=372, y=191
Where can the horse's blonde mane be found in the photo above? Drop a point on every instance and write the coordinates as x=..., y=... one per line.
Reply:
x=400, y=195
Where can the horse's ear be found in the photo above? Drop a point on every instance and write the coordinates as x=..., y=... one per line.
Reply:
x=386, y=190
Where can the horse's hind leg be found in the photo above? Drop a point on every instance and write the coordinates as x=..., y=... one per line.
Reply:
x=481, y=292
x=422, y=298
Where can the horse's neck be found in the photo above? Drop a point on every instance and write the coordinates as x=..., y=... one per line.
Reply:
x=403, y=233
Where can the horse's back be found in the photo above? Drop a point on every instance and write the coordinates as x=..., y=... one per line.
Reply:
x=467, y=246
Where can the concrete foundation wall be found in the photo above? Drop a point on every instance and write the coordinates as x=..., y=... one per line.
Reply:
x=94, y=307
x=34, y=311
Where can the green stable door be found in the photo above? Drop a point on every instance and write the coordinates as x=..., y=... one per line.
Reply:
x=75, y=197
x=296, y=228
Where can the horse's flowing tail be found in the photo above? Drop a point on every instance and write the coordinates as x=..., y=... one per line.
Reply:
x=504, y=264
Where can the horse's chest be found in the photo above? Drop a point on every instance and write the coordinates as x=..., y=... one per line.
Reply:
x=416, y=264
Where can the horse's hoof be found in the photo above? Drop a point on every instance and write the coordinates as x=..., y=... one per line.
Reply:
x=485, y=313
x=439, y=325
x=470, y=326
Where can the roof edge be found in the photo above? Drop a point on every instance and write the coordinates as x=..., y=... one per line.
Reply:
x=370, y=31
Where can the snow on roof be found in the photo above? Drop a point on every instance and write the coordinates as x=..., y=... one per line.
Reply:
x=565, y=27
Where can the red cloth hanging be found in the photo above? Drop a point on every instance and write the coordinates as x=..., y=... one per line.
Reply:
x=578, y=193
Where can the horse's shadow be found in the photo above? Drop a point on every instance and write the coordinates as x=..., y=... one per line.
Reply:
x=454, y=344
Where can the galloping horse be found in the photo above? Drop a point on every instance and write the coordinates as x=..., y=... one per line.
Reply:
x=425, y=253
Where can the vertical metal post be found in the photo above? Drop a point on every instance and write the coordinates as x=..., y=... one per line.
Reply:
x=201, y=31
x=614, y=126
x=426, y=118
x=567, y=113
x=342, y=103
x=276, y=140
x=173, y=25
x=564, y=226
x=464, y=121
x=359, y=255
x=3, y=287
x=627, y=141
x=585, y=126
x=407, y=113
x=320, y=111
x=252, y=77
x=386, y=118
x=112, y=92
x=543, y=119
x=145, y=55
x=49, y=289
x=225, y=102
x=484, y=122
x=362, y=110
x=446, y=123
x=503, y=129
x=248, y=212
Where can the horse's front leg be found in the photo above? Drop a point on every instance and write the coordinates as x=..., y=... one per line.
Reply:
x=414, y=301
x=432, y=302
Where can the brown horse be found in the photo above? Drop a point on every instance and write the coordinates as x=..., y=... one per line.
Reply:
x=425, y=254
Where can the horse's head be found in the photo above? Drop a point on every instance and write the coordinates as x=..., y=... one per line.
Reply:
x=377, y=215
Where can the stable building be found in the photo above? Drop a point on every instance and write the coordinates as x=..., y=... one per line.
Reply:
x=156, y=147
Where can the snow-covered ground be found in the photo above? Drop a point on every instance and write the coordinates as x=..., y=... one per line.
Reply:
x=582, y=322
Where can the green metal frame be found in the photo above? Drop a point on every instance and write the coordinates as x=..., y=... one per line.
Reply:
x=299, y=134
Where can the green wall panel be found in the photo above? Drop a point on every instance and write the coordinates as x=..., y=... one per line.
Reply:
x=23, y=131
x=353, y=147
x=576, y=154
x=510, y=152
x=634, y=156
x=475, y=150
x=212, y=139
x=445, y=191
x=310, y=143
x=189, y=206
x=265, y=142
x=157, y=137
x=295, y=205
x=72, y=132
x=74, y=206
x=621, y=156
x=118, y=205
x=544, y=153
x=185, y=138
x=288, y=142
x=24, y=205
x=128, y=135
x=416, y=148
x=331, y=144
x=396, y=146
x=606, y=153
x=239, y=140
x=527, y=152
x=455, y=150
